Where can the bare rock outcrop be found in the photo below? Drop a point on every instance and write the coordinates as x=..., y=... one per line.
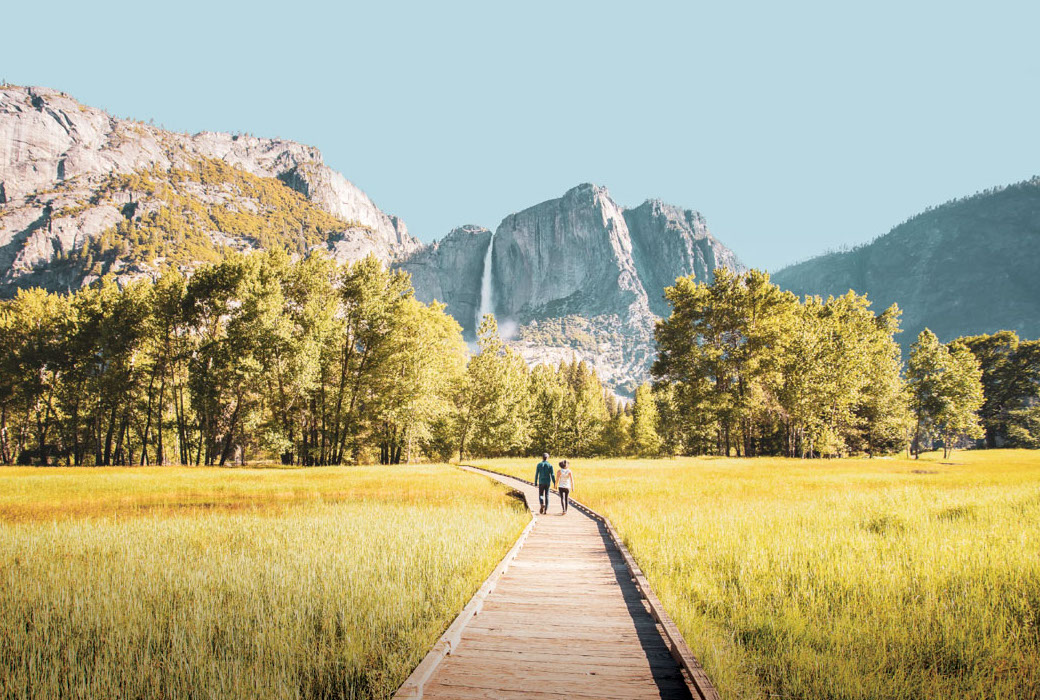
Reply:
x=55, y=153
x=571, y=255
x=578, y=277
x=670, y=242
x=449, y=271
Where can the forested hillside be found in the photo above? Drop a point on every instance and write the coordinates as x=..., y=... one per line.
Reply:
x=964, y=268
x=83, y=194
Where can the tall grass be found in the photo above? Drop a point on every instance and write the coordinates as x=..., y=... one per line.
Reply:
x=195, y=583
x=840, y=579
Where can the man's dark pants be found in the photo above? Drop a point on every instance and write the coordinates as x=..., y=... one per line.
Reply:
x=543, y=495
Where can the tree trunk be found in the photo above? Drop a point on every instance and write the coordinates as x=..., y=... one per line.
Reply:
x=45, y=426
x=148, y=421
x=120, y=436
x=348, y=352
x=5, y=454
x=109, y=435
x=225, y=451
x=179, y=419
x=160, y=454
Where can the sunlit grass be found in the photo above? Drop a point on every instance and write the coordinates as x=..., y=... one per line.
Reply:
x=883, y=578
x=236, y=583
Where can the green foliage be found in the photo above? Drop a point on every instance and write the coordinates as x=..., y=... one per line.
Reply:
x=569, y=412
x=568, y=331
x=745, y=368
x=492, y=401
x=548, y=393
x=312, y=363
x=182, y=216
x=1024, y=427
x=945, y=385
x=616, y=439
x=1011, y=383
x=257, y=355
x=645, y=440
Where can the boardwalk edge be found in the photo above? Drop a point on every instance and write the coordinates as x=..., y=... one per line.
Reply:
x=694, y=674
x=413, y=686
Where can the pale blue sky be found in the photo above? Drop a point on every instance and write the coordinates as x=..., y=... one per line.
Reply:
x=794, y=127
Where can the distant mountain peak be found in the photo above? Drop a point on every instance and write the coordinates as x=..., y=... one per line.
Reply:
x=468, y=230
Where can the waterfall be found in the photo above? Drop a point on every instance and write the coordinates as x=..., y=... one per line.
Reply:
x=486, y=304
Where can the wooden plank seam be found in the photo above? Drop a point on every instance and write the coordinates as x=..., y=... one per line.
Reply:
x=695, y=676
x=412, y=688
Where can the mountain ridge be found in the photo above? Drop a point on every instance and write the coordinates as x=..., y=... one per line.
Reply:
x=56, y=154
x=574, y=277
x=965, y=267
x=83, y=194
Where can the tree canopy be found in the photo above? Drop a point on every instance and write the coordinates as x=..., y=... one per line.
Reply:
x=308, y=362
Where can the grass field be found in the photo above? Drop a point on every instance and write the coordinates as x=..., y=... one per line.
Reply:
x=884, y=578
x=218, y=583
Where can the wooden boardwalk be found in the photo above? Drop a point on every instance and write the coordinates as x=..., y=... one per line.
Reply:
x=566, y=620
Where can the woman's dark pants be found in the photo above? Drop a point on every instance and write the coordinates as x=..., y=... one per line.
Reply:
x=565, y=498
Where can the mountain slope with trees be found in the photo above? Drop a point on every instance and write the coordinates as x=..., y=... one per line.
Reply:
x=964, y=268
x=83, y=194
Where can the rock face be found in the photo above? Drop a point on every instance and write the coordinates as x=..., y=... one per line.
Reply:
x=964, y=268
x=669, y=242
x=571, y=255
x=55, y=153
x=574, y=277
x=450, y=271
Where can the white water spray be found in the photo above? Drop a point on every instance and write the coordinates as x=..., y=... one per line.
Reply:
x=487, y=306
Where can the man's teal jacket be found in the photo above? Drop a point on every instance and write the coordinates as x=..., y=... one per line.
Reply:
x=543, y=474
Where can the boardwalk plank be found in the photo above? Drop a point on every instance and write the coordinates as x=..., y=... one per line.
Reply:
x=566, y=620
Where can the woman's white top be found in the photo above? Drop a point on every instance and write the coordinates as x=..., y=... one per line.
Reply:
x=564, y=479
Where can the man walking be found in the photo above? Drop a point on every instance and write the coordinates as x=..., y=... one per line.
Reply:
x=543, y=477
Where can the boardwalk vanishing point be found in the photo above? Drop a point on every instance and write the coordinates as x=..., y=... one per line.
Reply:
x=568, y=618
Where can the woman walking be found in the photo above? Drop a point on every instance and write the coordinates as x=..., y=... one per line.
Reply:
x=565, y=483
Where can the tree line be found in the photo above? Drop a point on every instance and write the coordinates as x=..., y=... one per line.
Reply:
x=261, y=357
x=307, y=362
x=745, y=368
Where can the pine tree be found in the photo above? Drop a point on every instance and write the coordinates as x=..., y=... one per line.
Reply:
x=645, y=440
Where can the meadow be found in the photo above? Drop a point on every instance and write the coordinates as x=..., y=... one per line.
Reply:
x=236, y=583
x=857, y=578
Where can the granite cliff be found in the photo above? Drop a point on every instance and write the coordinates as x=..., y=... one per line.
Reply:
x=967, y=267
x=83, y=193
x=450, y=271
x=579, y=276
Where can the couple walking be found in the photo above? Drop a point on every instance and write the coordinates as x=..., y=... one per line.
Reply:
x=544, y=478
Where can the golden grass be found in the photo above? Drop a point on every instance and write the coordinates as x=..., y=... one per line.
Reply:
x=318, y=583
x=35, y=493
x=883, y=578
